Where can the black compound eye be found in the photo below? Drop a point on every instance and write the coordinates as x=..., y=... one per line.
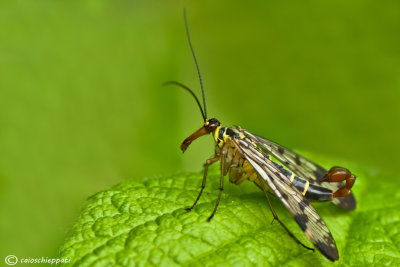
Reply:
x=214, y=121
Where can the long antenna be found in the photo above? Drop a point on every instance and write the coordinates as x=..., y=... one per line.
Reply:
x=197, y=65
x=191, y=92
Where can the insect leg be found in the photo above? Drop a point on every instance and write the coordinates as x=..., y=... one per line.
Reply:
x=339, y=174
x=221, y=184
x=279, y=221
x=203, y=184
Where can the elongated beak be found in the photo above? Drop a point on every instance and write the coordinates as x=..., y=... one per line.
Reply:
x=200, y=132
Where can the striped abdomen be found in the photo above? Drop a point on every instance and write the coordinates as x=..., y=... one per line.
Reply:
x=311, y=191
x=240, y=170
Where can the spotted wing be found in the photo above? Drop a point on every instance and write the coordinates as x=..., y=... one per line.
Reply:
x=303, y=167
x=304, y=214
x=300, y=165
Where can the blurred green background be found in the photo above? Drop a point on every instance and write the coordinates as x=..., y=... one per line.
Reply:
x=82, y=106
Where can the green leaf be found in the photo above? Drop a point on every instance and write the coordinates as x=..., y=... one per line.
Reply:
x=144, y=223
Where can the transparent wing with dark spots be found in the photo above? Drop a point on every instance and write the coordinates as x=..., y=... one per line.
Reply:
x=304, y=214
x=302, y=167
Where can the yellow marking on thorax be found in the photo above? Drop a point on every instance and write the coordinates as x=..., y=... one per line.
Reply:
x=216, y=133
x=306, y=187
x=225, y=136
x=292, y=177
x=218, y=141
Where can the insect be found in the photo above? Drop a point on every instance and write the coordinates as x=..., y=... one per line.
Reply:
x=292, y=178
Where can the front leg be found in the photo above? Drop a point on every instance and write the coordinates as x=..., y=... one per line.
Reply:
x=221, y=183
x=203, y=184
